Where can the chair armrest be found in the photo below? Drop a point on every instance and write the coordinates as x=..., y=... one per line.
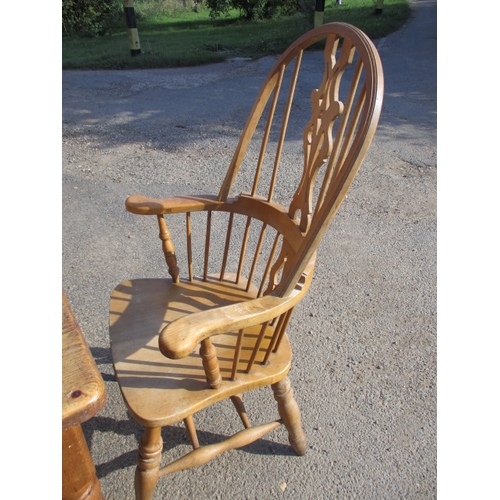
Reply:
x=142, y=205
x=181, y=337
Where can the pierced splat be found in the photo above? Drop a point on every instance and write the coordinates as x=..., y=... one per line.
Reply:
x=318, y=139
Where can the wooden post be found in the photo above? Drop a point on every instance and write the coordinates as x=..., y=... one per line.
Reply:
x=168, y=249
x=79, y=478
x=290, y=414
x=208, y=355
x=319, y=13
x=133, y=34
x=378, y=8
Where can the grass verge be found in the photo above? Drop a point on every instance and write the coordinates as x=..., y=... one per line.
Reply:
x=191, y=38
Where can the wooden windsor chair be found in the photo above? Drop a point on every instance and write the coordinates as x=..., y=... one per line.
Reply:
x=182, y=343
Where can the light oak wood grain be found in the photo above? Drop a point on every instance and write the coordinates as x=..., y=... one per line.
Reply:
x=217, y=328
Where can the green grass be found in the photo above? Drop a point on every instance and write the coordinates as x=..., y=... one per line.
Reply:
x=187, y=38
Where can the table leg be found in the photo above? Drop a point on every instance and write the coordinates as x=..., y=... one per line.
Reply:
x=79, y=479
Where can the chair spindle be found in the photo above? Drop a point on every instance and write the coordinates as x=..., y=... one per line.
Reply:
x=256, y=256
x=207, y=244
x=226, y=246
x=256, y=347
x=284, y=126
x=189, y=245
x=243, y=249
x=237, y=353
x=267, y=131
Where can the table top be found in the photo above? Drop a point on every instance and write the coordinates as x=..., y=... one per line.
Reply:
x=83, y=390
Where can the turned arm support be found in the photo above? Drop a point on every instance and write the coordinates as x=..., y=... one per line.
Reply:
x=142, y=205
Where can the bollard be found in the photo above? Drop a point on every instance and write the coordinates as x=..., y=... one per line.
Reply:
x=319, y=13
x=133, y=34
x=378, y=8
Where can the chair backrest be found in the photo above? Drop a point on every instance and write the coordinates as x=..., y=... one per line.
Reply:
x=344, y=111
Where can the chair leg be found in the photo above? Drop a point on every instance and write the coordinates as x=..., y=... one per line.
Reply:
x=191, y=428
x=240, y=408
x=290, y=414
x=148, y=463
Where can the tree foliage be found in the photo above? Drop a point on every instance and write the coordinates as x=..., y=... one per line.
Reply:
x=253, y=9
x=90, y=17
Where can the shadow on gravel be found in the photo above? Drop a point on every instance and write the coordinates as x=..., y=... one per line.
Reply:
x=172, y=436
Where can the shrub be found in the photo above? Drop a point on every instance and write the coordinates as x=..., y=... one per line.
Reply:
x=253, y=9
x=90, y=17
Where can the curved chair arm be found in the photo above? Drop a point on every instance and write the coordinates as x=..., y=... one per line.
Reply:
x=143, y=205
x=181, y=337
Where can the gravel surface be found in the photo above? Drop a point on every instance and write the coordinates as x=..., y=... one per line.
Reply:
x=364, y=339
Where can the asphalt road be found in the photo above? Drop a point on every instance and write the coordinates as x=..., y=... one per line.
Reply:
x=364, y=370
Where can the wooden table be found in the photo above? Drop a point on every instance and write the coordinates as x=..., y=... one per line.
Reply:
x=83, y=395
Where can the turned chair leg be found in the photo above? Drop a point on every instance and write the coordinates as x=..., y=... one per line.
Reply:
x=240, y=408
x=191, y=428
x=148, y=463
x=290, y=414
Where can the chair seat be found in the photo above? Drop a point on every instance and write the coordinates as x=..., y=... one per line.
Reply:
x=159, y=391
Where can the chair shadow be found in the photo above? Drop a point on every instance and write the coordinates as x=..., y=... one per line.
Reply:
x=102, y=356
x=172, y=436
